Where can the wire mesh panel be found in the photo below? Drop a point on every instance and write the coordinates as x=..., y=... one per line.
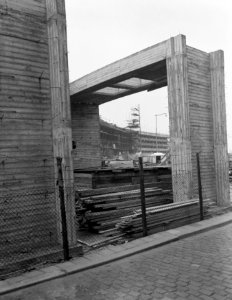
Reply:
x=28, y=228
x=32, y=227
x=207, y=170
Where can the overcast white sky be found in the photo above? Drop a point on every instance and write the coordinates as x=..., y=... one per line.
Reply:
x=102, y=31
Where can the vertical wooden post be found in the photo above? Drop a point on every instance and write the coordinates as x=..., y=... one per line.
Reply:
x=142, y=195
x=180, y=144
x=219, y=127
x=60, y=102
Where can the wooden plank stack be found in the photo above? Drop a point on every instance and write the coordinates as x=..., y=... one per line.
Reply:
x=107, y=190
x=101, y=212
x=93, y=178
x=160, y=218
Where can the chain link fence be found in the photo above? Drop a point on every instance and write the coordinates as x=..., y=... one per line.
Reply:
x=110, y=205
x=28, y=228
x=113, y=202
x=35, y=226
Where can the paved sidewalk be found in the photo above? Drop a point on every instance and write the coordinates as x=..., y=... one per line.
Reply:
x=111, y=253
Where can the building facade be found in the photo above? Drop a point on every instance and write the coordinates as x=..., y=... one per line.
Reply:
x=117, y=142
x=125, y=143
x=151, y=143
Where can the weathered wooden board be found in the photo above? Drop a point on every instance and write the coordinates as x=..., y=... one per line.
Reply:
x=160, y=218
x=101, y=212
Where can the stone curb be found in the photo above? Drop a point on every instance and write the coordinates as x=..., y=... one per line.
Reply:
x=111, y=254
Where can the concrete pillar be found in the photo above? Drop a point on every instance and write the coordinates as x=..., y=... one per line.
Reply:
x=86, y=135
x=219, y=128
x=180, y=144
x=61, y=113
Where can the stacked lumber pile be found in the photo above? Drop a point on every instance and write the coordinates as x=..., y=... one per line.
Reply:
x=107, y=177
x=107, y=190
x=101, y=212
x=161, y=218
x=164, y=181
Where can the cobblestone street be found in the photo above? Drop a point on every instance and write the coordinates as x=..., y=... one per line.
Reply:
x=198, y=267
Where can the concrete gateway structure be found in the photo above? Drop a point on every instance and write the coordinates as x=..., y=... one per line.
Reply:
x=38, y=124
x=195, y=82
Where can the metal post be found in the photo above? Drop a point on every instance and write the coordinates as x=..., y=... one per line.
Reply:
x=156, y=133
x=62, y=209
x=140, y=132
x=200, y=187
x=142, y=193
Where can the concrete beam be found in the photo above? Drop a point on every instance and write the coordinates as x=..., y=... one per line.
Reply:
x=119, y=68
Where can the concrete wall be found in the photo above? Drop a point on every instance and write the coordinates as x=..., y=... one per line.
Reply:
x=26, y=149
x=197, y=121
x=201, y=120
x=219, y=127
x=86, y=134
x=208, y=132
x=34, y=102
